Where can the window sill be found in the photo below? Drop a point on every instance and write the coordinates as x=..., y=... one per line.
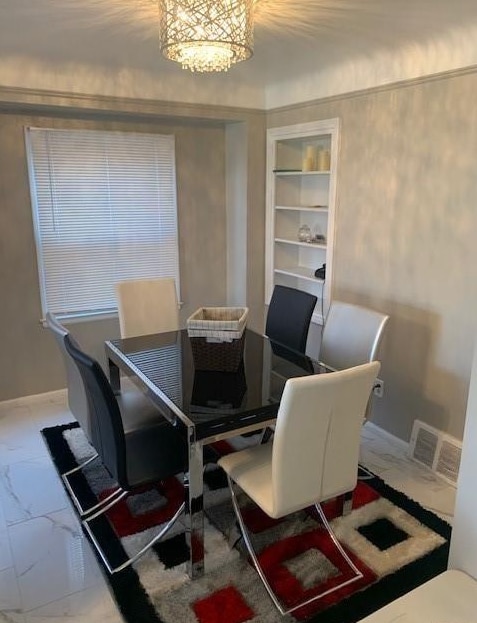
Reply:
x=78, y=318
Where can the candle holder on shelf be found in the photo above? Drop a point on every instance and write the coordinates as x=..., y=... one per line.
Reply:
x=309, y=158
x=323, y=160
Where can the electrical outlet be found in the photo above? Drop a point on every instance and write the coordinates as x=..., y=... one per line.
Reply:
x=378, y=388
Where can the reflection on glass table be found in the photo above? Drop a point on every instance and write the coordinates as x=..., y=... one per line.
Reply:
x=215, y=391
x=286, y=364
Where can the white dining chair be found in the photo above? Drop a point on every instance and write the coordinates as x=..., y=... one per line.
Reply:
x=313, y=456
x=147, y=306
x=352, y=335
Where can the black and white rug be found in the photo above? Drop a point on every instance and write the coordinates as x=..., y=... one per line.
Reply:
x=394, y=541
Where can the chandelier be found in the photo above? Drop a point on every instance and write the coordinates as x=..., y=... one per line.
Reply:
x=204, y=35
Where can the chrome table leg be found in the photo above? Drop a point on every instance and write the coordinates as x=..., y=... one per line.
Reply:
x=114, y=377
x=194, y=509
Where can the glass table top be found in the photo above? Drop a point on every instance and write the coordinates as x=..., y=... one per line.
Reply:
x=216, y=386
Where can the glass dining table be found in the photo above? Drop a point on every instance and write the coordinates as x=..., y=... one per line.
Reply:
x=207, y=399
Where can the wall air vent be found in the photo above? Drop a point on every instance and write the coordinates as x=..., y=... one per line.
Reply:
x=436, y=450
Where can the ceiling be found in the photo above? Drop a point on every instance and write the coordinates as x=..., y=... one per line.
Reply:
x=292, y=39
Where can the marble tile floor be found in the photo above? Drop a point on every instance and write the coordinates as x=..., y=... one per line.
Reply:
x=47, y=569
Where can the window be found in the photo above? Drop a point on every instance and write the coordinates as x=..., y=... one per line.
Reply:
x=104, y=208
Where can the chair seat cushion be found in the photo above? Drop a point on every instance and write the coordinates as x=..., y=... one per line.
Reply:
x=154, y=453
x=251, y=469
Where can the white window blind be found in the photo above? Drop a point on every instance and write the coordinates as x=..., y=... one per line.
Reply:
x=104, y=207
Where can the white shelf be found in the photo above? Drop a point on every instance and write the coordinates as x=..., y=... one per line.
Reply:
x=294, y=198
x=300, y=272
x=322, y=209
x=287, y=173
x=297, y=243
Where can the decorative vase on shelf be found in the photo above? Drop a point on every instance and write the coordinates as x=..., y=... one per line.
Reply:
x=304, y=234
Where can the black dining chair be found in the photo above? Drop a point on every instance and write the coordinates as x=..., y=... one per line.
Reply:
x=136, y=410
x=78, y=406
x=133, y=458
x=288, y=322
x=289, y=316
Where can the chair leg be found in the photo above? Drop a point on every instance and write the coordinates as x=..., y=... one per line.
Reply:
x=234, y=535
x=113, y=498
x=266, y=435
x=365, y=473
x=357, y=573
x=65, y=478
x=80, y=466
x=138, y=554
x=250, y=549
x=347, y=503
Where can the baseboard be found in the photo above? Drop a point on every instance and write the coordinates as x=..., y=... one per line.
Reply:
x=389, y=436
x=57, y=395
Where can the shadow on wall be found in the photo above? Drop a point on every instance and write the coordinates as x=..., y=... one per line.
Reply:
x=407, y=358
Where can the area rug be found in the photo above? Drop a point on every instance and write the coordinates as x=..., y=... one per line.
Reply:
x=395, y=543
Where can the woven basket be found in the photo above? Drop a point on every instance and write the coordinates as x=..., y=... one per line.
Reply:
x=223, y=356
x=217, y=337
x=219, y=324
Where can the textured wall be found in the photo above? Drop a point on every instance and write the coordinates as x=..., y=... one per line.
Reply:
x=405, y=237
x=29, y=363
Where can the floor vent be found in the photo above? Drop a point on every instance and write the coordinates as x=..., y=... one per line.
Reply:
x=437, y=450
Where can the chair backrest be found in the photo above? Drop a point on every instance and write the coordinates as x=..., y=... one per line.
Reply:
x=77, y=401
x=351, y=335
x=317, y=437
x=289, y=316
x=104, y=410
x=147, y=306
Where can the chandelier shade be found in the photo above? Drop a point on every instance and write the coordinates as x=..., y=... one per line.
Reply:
x=204, y=35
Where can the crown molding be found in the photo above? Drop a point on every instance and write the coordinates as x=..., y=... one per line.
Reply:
x=15, y=99
x=20, y=99
x=392, y=86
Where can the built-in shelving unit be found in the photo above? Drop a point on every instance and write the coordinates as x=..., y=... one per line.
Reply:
x=301, y=190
